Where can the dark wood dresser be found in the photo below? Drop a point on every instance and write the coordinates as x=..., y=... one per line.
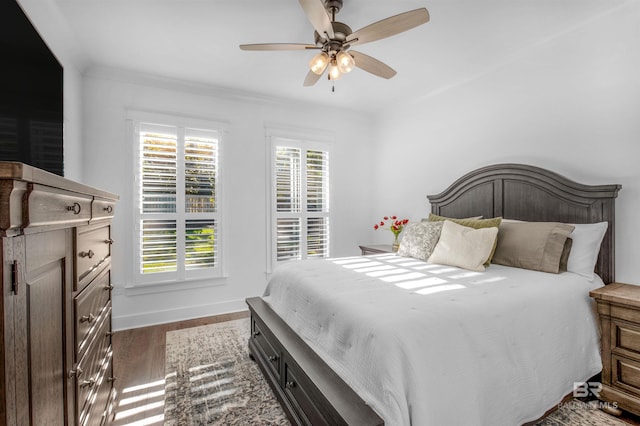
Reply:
x=56, y=356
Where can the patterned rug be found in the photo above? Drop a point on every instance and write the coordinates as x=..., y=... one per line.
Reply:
x=210, y=380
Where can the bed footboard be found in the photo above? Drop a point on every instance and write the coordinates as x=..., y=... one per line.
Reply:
x=309, y=391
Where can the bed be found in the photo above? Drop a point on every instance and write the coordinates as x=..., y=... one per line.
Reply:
x=461, y=346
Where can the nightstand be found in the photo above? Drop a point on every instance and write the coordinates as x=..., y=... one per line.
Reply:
x=619, y=312
x=375, y=249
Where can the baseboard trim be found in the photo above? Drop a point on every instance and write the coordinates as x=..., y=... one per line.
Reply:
x=145, y=319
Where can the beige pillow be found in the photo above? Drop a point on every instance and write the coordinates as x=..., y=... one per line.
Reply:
x=463, y=246
x=532, y=245
x=472, y=223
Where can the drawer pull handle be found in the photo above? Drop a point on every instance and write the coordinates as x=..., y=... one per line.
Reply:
x=108, y=241
x=85, y=383
x=75, y=208
x=290, y=385
x=273, y=358
x=88, y=318
x=108, y=334
x=108, y=287
x=75, y=373
x=88, y=254
x=108, y=209
x=256, y=333
x=112, y=379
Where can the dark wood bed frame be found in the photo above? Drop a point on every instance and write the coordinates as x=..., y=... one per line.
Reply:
x=313, y=394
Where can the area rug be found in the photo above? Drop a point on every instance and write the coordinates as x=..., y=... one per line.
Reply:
x=210, y=380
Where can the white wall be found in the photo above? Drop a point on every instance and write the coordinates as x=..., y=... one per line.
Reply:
x=52, y=27
x=571, y=105
x=108, y=149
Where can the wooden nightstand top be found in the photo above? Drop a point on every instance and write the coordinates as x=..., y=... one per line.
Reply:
x=624, y=294
x=376, y=248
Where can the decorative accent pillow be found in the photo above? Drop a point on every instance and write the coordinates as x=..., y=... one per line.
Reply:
x=587, y=238
x=463, y=246
x=532, y=245
x=473, y=223
x=419, y=239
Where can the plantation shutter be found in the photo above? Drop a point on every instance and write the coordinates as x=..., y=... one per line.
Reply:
x=301, y=186
x=178, y=200
x=158, y=176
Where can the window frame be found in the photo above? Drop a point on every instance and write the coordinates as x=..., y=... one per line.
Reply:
x=305, y=140
x=180, y=122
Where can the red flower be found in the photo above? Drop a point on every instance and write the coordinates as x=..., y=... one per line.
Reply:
x=396, y=226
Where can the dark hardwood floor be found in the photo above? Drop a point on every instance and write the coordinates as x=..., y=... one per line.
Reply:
x=139, y=368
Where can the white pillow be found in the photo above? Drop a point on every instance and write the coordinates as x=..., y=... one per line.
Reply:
x=464, y=247
x=583, y=256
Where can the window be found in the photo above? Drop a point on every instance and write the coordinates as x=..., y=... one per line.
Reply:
x=300, y=200
x=178, y=211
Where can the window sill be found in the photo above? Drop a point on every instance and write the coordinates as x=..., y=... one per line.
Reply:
x=171, y=286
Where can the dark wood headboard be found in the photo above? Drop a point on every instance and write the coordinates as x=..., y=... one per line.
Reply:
x=523, y=192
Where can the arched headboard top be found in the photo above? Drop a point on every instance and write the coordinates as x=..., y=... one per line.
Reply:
x=524, y=192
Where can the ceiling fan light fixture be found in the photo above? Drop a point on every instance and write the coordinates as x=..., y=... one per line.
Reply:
x=334, y=71
x=346, y=63
x=319, y=63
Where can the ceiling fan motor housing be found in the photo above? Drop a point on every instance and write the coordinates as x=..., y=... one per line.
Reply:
x=341, y=32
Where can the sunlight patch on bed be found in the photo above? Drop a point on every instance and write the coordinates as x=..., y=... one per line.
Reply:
x=345, y=261
x=426, y=282
x=489, y=280
x=394, y=271
x=443, y=269
x=375, y=268
x=439, y=289
x=403, y=277
x=361, y=265
x=467, y=274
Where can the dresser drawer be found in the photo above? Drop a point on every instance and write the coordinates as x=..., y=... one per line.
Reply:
x=50, y=206
x=625, y=338
x=89, y=307
x=266, y=349
x=625, y=313
x=302, y=393
x=102, y=209
x=93, y=365
x=625, y=374
x=96, y=410
x=92, y=248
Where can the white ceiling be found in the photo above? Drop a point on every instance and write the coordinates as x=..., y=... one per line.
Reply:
x=197, y=41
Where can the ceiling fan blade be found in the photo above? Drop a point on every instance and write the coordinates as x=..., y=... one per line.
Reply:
x=372, y=65
x=311, y=79
x=317, y=15
x=278, y=46
x=390, y=26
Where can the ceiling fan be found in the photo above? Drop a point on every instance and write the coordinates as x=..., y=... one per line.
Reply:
x=334, y=40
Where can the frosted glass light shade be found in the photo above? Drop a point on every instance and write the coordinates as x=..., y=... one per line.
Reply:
x=334, y=71
x=346, y=63
x=319, y=63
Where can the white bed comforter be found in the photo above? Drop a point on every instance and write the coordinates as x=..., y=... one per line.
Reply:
x=436, y=345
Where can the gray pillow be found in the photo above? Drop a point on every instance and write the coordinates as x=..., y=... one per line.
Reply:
x=531, y=245
x=419, y=239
